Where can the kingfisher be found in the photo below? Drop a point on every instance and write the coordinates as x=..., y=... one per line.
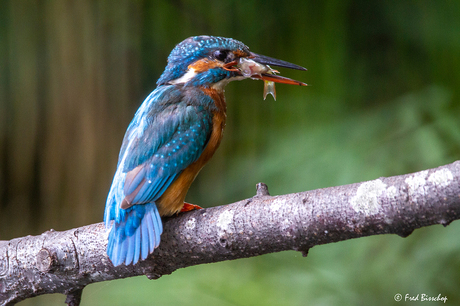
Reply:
x=173, y=134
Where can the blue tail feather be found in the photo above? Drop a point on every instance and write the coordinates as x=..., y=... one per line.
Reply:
x=136, y=235
x=129, y=241
x=137, y=243
x=158, y=225
x=145, y=244
x=151, y=238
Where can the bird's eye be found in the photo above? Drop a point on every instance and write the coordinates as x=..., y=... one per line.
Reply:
x=220, y=55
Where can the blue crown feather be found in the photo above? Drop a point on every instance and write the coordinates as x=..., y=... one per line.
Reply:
x=192, y=49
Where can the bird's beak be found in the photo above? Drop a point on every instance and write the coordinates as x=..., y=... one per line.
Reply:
x=266, y=60
x=258, y=66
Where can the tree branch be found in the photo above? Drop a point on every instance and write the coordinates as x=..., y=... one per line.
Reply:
x=66, y=262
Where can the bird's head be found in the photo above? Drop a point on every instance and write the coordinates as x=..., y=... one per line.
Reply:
x=209, y=61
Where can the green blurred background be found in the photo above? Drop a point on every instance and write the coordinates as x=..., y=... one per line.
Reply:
x=384, y=101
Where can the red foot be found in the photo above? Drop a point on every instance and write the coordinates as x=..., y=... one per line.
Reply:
x=189, y=207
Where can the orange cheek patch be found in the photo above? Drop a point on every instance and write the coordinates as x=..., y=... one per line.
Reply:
x=204, y=65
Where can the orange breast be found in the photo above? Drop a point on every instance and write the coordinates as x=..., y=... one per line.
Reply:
x=173, y=198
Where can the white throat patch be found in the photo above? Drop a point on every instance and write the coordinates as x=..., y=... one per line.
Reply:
x=190, y=74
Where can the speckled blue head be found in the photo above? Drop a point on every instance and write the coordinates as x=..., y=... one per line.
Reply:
x=205, y=52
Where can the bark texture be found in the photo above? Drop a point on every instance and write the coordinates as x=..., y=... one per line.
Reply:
x=65, y=262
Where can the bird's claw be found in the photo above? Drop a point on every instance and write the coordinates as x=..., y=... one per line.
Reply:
x=189, y=207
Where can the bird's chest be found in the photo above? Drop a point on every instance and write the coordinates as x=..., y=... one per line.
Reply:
x=218, y=124
x=173, y=198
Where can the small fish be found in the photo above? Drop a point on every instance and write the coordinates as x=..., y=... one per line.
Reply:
x=269, y=88
x=250, y=68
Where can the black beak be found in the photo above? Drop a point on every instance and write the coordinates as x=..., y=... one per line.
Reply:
x=266, y=60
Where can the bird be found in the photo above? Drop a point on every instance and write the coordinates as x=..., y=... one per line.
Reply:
x=173, y=134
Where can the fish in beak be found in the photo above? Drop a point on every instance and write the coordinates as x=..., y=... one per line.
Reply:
x=257, y=66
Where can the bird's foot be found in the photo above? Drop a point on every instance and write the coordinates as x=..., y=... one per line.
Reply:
x=189, y=207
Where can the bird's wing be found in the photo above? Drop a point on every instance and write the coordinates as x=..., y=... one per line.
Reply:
x=167, y=134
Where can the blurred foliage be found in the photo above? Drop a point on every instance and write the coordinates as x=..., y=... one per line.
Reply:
x=384, y=101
